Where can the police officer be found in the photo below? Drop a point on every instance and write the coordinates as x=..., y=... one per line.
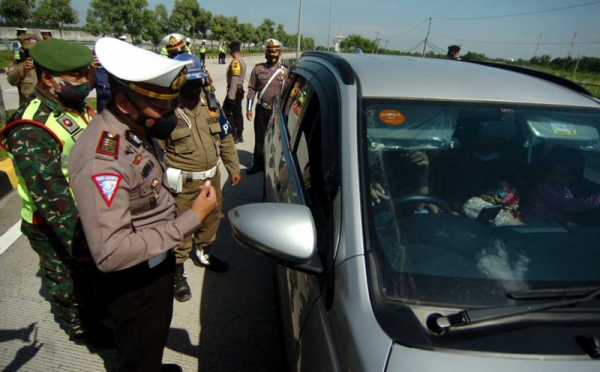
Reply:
x=117, y=174
x=222, y=53
x=192, y=155
x=266, y=81
x=174, y=44
x=99, y=80
x=39, y=137
x=188, y=42
x=454, y=52
x=46, y=34
x=17, y=47
x=232, y=105
x=21, y=73
x=203, y=52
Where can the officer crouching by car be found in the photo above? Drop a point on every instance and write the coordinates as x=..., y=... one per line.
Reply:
x=192, y=156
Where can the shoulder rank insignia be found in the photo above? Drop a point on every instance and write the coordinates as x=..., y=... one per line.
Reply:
x=133, y=138
x=108, y=144
x=236, y=68
x=66, y=122
x=107, y=184
x=148, y=167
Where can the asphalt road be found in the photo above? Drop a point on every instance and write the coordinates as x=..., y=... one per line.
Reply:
x=230, y=324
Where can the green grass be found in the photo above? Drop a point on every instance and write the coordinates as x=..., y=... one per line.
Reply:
x=588, y=79
x=4, y=155
x=6, y=57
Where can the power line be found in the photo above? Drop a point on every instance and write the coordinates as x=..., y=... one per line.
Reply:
x=412, y=29
x=518, y=14
x=436, y=48
x=514, y=43
x=410, y=50
x=420, y=38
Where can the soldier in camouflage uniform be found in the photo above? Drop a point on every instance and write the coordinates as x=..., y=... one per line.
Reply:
x=39, y=137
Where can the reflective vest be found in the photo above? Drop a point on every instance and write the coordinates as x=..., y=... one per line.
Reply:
x=188, y=50
x=222, y=49
x=202, y=49
x=65, y=126
x=17, y=49
x=164, y=52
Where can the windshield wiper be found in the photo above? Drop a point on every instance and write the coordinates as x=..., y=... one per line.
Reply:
x=438, y=323
x=532, y=294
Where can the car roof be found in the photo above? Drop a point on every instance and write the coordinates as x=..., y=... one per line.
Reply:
x=385, y=76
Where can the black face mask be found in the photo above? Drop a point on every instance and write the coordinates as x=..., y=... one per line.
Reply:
x=271, y=60
x=191, y=91
x=159, y=128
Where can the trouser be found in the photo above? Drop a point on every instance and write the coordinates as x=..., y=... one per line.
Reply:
x=261, y=121
x=203, y=58
x=140, y=299
x=235, y=117
x=72, y=283
x=101, y=102
x=207, y=233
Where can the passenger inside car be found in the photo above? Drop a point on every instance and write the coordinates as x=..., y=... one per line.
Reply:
x=552, y=202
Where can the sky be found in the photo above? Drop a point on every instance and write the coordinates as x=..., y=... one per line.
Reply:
x=395, y=21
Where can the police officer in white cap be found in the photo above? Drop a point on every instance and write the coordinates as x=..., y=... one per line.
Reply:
x=174, y=43
x=117, y=173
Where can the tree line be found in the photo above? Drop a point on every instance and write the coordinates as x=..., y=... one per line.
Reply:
x=136, y=19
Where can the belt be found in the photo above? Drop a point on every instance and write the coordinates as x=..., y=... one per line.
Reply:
x=200, y=175
x=155, y=261
x=268, y=106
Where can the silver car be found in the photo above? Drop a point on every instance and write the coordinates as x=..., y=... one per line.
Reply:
x=431, y=215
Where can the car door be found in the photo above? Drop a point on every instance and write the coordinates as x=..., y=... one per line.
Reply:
x=298, y=176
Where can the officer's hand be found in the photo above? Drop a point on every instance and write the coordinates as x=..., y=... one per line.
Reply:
x=249, y=114
x=417, y=158
x=95, y=63
x=206, y=201
x=28, y=65
x=235, y=179
x=378, y=193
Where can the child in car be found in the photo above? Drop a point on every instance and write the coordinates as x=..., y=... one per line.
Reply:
x=552, y=202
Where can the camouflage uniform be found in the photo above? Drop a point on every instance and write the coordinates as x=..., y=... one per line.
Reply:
x=56, y=233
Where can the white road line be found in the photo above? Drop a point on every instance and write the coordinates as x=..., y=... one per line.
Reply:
x=10, y=237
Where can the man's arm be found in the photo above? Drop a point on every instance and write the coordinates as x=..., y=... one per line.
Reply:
x=37, y=156
x=13, y=75
x=230, y=156
x=236, y=72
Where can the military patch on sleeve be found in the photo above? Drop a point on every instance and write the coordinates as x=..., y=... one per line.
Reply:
x=133, y=138
x=236, y=68
x=66, y=122
x=10, y=69
x=107, y=184
x=109, y=144
x=148, y=167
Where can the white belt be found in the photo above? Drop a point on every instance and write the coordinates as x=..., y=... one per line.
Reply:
x=154, y=261
x=201, y=176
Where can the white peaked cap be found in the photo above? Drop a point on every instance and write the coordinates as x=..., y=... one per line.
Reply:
x=130, y=63
x=122, y=37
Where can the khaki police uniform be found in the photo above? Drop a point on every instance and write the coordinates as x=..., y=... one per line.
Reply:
x=14, y=74
x=236, y=74
x=129, y=216
x=194, y=148
x=266, y=82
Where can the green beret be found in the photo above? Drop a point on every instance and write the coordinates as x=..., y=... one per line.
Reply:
x=61, y=56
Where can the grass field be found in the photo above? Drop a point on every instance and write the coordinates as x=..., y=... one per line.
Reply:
x=589, y=80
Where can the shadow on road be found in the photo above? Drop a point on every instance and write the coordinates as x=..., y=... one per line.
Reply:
x=26, y=353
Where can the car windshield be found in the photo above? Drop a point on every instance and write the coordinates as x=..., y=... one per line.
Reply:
x=468, y=202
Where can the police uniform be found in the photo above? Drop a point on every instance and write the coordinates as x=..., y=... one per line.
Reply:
x=222, y=53
x=266, y=81
x=203, y=53
x=232, y=105
x=24, y=81
x=129, y=216
x=17, y=46
x=39, y=137
x=192, y=155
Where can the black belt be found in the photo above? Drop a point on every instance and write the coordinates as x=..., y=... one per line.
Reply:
x=268, y=106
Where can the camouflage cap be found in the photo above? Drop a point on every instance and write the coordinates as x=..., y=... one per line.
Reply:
x=29, y=40
x=60, y=56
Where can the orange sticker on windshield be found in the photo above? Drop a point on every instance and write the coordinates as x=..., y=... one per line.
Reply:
x=391, y=117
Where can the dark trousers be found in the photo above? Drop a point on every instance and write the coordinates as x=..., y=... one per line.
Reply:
x=261, y=121
x=234, y=113
x=101, y=101
x=140, y=299
x=203, y=59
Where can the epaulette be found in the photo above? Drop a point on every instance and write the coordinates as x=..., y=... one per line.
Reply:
x=109, y=144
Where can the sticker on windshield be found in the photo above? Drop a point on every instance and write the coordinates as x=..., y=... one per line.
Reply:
x=391, y=117
x=564, y=129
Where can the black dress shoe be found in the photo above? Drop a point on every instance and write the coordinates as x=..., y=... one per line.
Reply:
x=182, y=288
x=254, y=169
x=170, y=368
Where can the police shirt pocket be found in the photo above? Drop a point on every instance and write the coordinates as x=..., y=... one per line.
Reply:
x=215, y=128
x=140, y=197
x=181, y=142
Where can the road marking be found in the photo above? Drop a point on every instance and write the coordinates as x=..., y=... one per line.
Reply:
x=10, y=237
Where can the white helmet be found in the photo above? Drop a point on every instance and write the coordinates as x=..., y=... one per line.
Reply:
x=188, y=40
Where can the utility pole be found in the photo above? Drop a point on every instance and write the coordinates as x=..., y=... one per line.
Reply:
x=329, y=31
x=426, y=37
x=376, y=41
x=386, y=43
x=538, y=46
x=299, y=30
x=576, y=64
x=571, y=47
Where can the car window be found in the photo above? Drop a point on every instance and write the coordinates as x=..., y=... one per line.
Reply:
x=298, y=95
x=468, y=202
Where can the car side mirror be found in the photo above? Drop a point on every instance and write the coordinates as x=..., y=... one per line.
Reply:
x=285, y=233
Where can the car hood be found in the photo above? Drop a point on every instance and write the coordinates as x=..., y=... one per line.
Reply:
x=409, y=359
